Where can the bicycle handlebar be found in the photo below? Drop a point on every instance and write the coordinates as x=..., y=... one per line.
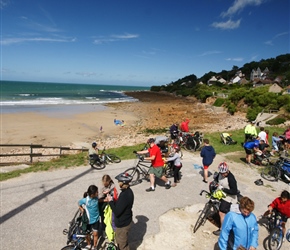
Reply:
x=204, y=191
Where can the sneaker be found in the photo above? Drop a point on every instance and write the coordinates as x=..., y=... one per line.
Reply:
x=150, y=189
x=87, y=247
x=167, y=186
x=217, y=232
x=204, y=181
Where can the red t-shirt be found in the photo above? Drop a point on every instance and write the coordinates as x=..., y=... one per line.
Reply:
x=282, y=207
x=157, y=162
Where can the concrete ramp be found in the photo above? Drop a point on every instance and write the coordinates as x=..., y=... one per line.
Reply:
x=263, y=117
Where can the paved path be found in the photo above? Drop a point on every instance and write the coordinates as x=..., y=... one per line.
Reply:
x=36, y=207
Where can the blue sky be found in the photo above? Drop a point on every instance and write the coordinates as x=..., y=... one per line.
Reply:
x=137, y=42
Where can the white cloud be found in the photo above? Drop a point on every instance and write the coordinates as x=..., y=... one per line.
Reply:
x=237, y=59
x=86, y=74
x=4, y=3
x=271, y=43
x=115, y=38
x=9, y=41
x=227, y=25
x=239, y=5
x=211, y=52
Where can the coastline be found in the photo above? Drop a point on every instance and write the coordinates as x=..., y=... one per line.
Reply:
x=79, y=125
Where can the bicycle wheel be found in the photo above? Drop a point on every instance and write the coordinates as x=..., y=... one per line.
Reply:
x=202, y=217
x=98, y=165
x=270, y=173
x=70, y=247
x=275, y=239
x=113, y=158
x=190, y=146
x=134, y=172
x=168, y=170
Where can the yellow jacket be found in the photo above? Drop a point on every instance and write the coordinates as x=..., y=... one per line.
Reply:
x=108, y=221
x=251, y=129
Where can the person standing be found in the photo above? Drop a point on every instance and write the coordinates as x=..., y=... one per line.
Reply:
x=89, y=205
x=250, y=148
x=174, y=131
x=156, y=168
x=208, y=154
x=262, y=135
x=228, y=184
x=176, y=162
x=240, y=228
x=184, y=125
x=122, y=209
x=250, y=131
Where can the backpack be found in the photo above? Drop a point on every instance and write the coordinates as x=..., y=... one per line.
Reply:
x=84, y=218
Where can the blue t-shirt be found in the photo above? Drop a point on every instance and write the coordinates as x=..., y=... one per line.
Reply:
x=92, y=207
x=251, y=144
x=275, y=140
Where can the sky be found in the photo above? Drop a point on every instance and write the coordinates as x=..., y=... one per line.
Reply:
x=137, y=42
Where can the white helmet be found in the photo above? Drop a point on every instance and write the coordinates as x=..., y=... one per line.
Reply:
x=223, y=167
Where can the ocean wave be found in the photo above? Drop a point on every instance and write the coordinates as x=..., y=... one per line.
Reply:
x=61, y=101
x=25, y=94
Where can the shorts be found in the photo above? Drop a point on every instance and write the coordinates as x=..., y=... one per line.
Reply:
x=225, y=206
x=275, y=148
x=248, y=151
x=284, y=218
x=157, y=171
x=173, y=136
x=205, y=167
x=94, y=227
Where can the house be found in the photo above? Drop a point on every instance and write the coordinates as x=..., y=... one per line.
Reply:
x=212, y=81
x=222, y=80
x=259, y=74
x=275, y=88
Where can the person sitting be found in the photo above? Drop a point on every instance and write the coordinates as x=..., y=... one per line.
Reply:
x=94, y=152
x=282, y=205
x=228, y=184
x=276, y=140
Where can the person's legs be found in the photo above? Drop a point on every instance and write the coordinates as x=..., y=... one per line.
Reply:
x=205, y=173
x=122, y=237
x=96, y=237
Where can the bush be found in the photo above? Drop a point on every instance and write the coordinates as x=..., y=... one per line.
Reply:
x=232, y=109
x=276, y=121
x=219, y=102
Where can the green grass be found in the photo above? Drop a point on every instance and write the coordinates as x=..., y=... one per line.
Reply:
x=67, y=161
x=125, y=153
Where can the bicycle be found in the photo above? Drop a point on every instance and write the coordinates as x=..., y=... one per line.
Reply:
x=97, y=163
x=277, y=171
x=140, y=171
x=109, y=157
x=274, y=227
x=210, y=211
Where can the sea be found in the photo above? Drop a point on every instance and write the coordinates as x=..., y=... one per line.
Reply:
x=19, y=96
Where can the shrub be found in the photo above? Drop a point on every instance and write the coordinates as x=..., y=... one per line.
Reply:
x=219, y=102
x=276, y=121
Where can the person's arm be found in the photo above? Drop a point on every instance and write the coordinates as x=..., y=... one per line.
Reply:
x=255, y=234
x=143, y=152
x=233, y=189
x=172, y=158
x=118, y=207
x=226, y=228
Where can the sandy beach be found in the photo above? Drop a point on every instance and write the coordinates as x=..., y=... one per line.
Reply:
x=80, y=125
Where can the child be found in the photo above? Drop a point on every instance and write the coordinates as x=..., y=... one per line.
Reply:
x=176, y=164
x=275, y=140
x=89, y=204
x=108, y=188
x=208, y=154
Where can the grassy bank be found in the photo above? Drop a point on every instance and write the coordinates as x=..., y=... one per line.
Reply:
x=125, y=153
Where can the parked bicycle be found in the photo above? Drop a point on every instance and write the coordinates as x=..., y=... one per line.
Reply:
x=279, y=170
x=209, y=212
x=109, y=157
x=140, y=171
x=274, y=227
x=190, y=142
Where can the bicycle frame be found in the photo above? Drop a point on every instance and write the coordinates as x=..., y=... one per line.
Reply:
x=275, y=239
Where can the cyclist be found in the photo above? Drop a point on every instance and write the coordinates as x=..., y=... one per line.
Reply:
x=156, y=168
x=250, y=131
x=89, y=205
x=208, y=154
x=175, y=159
x=184, y=125
x=228, y=184
x=174, y=131
x=94, y=152
x=250, y=147
x=240, y=228
x=282, y=205
x=122, y=209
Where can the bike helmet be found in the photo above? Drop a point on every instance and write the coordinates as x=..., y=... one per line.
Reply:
x=213, y=186
x=150, y=140
x=124, y=177
x=223, y=167
x=94, y=144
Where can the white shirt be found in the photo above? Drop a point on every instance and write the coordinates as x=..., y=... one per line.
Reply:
x=262, y=136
